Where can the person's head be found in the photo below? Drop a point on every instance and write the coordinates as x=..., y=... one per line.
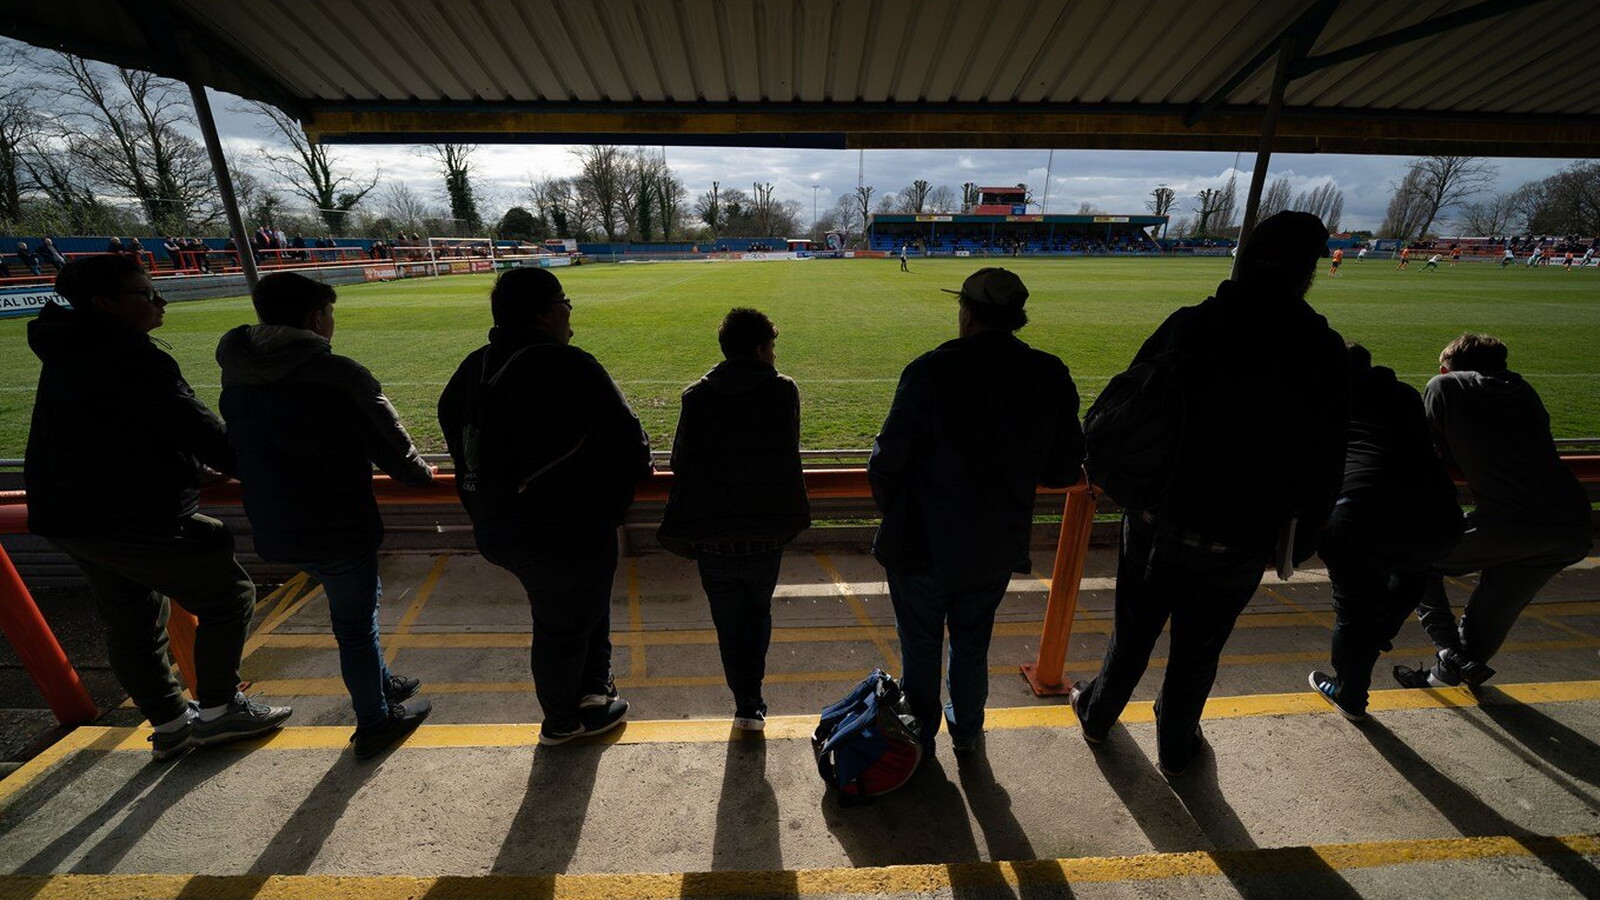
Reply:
x=22, y=245
x=116, y=240
x=114, y=286
x=1474, y=353
x=1281, y=254
x=1360, y=358
x=748, y=334
x=532, y=299
x=288, y=298
x=991, y=300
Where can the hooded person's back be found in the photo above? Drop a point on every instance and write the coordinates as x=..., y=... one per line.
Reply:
x=308, y=424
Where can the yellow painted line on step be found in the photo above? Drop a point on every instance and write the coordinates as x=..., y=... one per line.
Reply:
x=1324, y=620
x=84, y=738
x=259, y=639
x=288, y=588
x=335, y=737
x=921, y=879
x=636, y=652
x=859, y=609
x=415, y=609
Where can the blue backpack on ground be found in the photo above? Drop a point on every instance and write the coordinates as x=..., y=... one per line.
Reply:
x=868, y=743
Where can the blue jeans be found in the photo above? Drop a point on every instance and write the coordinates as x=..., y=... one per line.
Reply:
x=353, y=590
x=924, y=606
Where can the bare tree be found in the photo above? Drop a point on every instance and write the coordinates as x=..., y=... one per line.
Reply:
x=864, y=200
x=915, y=197
x=708, y=208
x=764, y=209
x=124, y=134
x=1276, y=199
x=600, y=181
x=1208, y=212
x=1403, y=217
x=888, y=204
x=1162, y=199
x=1226, y=217
x=969, y=196
x=455, y=164
x=310, y=170
x=1444, y=182
x=943, y=200
x=1567, y=202
x=401, y=205
x=1326, y=202
x=20, y=123
x=1488, y=218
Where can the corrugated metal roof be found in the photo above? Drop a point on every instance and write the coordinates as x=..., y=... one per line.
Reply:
x=1511, y=78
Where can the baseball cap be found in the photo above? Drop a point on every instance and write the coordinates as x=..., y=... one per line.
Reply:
x=993, y=286
x=1286, y=240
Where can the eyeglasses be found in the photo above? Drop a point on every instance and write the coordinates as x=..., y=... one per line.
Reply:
x=154, y=296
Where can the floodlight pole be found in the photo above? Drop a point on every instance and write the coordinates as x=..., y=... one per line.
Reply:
x=1269, y=129
x=219, y=168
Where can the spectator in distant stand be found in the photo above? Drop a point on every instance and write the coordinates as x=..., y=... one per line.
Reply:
x=739, y=497
x=114, y=245
x=5, y=268
x=174, y=249
x=298, y=243
x=31, y=260
x=52, y=255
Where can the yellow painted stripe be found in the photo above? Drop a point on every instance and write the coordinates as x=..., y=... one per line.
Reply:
x=636, y=652
x=288, y=588
x=413, y=611
x=1054, y=715
x=258, y=640
x=859, y=609
x=84, y=738
x=1323, y=619
x=864, y=880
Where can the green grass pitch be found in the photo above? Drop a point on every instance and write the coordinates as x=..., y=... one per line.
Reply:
x=849, y=326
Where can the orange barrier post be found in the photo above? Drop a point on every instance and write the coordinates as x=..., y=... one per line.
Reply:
x=1045, y=674
x=180, y=642
x=41, y=653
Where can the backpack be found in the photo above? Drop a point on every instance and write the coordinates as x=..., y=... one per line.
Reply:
x=868, y=743
x=1136, y=428
x=488, y=478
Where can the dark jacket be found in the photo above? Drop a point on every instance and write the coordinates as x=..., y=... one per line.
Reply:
x=556, y=415
x=1265, y=433
x=736, y=461
x=1495, y=428
x=976, y=425
x=1390, y=461
x=118, y=438
x=308, y=425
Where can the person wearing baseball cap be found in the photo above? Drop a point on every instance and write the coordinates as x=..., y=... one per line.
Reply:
x=1258, y=463
x=976, y=425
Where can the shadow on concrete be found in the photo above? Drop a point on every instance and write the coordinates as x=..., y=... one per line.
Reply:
x=923, y=822
x=1475, y=818
x=544, y=835
x=1143, y=792
x=1256, y=874
x=990, y=803
x=296, y=845
x=748, y=830
x=1543, y=736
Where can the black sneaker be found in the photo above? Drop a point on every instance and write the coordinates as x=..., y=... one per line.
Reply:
x=167, y=744
x=1196, y=747
x=370, y=740
x=1075, y=698
x=399, y=688
x=592, y=721
x=1328, y=689
x=245, y=718
x=591, y=701
x=754, y=719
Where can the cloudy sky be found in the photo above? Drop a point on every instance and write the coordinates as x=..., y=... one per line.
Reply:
x=1116, y=181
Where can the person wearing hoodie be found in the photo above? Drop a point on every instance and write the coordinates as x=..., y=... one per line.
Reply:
x=307, y=425
x=1532, y=516
x=547, y=454
x=738, y=496
x=1396, y=515
x=976, y=425
x=116, y=449
x=1262, y=358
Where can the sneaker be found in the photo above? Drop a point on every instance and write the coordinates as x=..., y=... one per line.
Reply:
x=1467, y=671
x=371, y=740
x=590, y=701
x=965, y=745
x=399, y=688
x=1444, y=672
x=1327, y=687
x=167, y=744
x=592, y=721
x=1076, y=697
x=245, y=718
x=1196, y=747
x=751, y=719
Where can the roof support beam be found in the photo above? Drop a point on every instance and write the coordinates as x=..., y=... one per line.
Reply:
x=1406, y=35
x=1269, y=128
x=219, y=168
x=1305, y=29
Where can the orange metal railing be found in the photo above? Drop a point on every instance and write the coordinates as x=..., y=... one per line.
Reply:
x=58, y=681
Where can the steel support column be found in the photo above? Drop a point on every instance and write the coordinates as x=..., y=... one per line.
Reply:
x=219, y=167
x=1269, y=127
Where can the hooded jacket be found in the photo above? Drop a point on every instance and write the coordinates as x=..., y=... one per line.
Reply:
x=976, y=426
x=736, y=461
x=558, y=419
x=308, y=425
x=118, y=439
x=1265, y=437
x=1495, y=428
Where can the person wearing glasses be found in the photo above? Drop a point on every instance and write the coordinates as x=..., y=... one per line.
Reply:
x=115, y=454
x=547, y=453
